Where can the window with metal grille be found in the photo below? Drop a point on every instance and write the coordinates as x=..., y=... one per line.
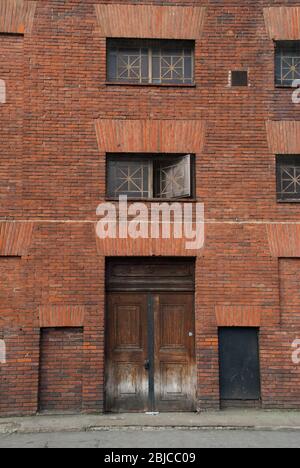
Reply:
x=288, y=178
x=146, y=177
x=150, y=62
x=287, y=58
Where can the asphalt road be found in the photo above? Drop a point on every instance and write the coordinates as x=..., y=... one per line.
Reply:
x=156, y=439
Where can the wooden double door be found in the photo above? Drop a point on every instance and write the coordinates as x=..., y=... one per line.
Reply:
x=150, y=352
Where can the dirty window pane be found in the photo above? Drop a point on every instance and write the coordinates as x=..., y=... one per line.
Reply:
x=150, y=176
x=287, y=62
x=152, y=62
x=129, y=177
x=288, y=177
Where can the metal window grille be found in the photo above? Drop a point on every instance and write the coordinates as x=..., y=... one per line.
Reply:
x=156, y=177
x=287, y=63
x=288, y=178
x=144, y=62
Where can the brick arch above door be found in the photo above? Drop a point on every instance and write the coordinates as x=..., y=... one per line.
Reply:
x=56, y=316
x=238, y=315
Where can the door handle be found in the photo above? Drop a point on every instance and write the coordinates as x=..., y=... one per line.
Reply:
x=147, y=365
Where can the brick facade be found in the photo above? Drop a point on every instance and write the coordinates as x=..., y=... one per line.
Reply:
x=52, y=178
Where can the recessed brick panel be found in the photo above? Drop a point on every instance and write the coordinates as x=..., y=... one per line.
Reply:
x=289, y=273
x=61, y=362
x=12, y=289
x=11, y=131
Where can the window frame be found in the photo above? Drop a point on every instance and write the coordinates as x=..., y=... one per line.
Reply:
x=292, y=160
x=152, y=158
x=150, y=45
x=279, y=46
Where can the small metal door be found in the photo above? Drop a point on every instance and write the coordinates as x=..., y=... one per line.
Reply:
x=239, y=364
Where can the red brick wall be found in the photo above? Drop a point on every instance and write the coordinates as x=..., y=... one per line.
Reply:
x=61, y=363
x=11, y=115
x=18, y=375
x=53, y=174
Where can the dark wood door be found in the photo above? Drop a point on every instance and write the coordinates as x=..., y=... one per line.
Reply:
x=127, y=380
x=150, y=352
x=174, y=352
x=239, y=364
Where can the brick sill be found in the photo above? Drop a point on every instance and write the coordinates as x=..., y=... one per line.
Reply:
x=150, y=85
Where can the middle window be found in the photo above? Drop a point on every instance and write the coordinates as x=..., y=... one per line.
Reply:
x=150, y=62
x=146, y=177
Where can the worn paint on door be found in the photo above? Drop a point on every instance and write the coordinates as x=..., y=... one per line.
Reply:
x=150, y=355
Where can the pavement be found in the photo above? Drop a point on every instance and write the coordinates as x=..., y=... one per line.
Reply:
x=230, y=419
x=173, y=441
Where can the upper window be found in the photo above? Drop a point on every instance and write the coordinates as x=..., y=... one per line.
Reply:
x=144, y=176
x=287, y=62
x=288, y=178
x=150, y=62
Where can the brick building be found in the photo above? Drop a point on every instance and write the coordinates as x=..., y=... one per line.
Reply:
x=94, y=89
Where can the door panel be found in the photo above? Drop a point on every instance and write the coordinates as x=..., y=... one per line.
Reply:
x=126, y=352
x=239, y=364
x=174, y=352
